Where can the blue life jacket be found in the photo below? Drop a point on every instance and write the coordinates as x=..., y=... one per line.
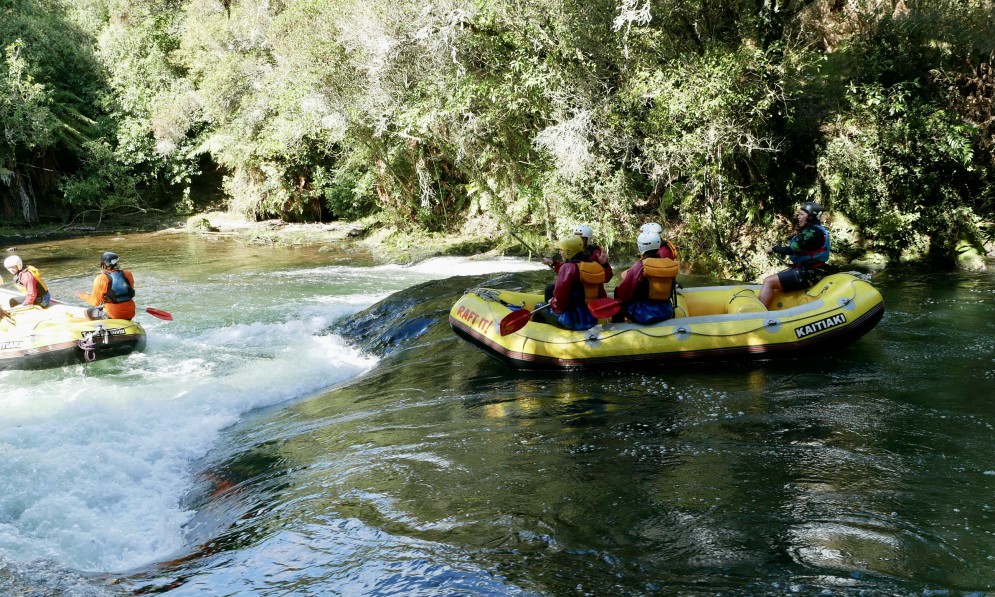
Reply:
x=816, y=258
x=119, y=290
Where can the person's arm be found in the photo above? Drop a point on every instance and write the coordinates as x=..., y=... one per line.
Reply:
x=96, y=296
x=630, y=281
x=552, y=262
x=600, y=256
x=565, y=281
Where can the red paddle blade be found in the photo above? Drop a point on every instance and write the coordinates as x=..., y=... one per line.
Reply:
x=604, y=308
x=159, y=313
x=514, y=321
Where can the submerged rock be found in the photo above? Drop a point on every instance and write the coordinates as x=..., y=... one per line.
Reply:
x=969, y=258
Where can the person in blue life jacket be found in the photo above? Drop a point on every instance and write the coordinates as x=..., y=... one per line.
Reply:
x=647, y=287
x=808, y=251
x=568, y=303
x=28, y=280
x=112, y=292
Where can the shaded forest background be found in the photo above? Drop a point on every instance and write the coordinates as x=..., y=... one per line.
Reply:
x=714, y=117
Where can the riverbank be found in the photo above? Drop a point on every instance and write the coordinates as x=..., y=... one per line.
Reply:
x=479, y=238
x=387, y=244
x=482, y=237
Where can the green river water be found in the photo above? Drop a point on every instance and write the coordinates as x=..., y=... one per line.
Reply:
x=309, y=425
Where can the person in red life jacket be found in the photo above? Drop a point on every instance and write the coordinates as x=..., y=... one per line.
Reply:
x=112, y=293
x=594, y=265
x=808, y=251
x=667, y=249
x=591, y=252
x=568, y=304
x=27, y=280
x=647, y=287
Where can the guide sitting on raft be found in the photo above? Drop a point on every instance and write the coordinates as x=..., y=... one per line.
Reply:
x=808, y=251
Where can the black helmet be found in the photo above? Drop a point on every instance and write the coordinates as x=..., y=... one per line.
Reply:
x=812, y=208
x=109, y=260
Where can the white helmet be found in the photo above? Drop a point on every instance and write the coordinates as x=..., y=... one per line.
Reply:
x=584, y=231
x=651, y=227
x=648, y=241
x=13, y=261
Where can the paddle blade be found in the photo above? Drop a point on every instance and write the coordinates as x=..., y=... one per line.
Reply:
x=604, y=308
x=514, y=321
x=159, y=313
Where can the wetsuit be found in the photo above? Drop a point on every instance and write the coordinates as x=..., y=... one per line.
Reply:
x=809, y=252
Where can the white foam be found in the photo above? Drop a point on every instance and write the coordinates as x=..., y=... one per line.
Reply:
x=99, y=465
x=460, y=266
x=96, y=460
x=434, y=268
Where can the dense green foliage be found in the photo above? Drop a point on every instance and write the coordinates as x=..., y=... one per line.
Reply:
x=715, y=118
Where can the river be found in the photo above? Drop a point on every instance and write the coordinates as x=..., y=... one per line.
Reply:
x=308, y=424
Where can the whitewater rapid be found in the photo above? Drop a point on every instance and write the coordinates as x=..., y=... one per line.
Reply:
x=95, y=460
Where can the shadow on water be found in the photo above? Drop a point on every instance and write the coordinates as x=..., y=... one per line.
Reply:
x=442, y=472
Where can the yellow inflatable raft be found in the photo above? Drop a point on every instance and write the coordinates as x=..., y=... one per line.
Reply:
x=34, y=338
x=717, y=322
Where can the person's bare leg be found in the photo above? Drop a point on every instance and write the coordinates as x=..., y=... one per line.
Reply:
x=771, y=283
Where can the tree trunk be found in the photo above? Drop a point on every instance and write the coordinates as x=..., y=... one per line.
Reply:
x=26, y=197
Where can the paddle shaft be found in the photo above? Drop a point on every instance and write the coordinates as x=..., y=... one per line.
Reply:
x=524, y=244
x=157, y=313
x=527, y=245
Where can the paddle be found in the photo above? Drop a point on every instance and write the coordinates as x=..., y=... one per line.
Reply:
x=157, y=313
x=528, y=246
x=524, y=244
x=516, y=320
x=604, y=308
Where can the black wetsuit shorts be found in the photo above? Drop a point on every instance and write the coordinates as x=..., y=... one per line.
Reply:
x=798, y=278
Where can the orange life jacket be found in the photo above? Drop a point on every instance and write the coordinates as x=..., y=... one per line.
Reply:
x=593, y=277
x=661, y=273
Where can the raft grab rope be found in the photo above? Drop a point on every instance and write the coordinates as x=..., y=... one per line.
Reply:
x=488, y=294
x=88, y=343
